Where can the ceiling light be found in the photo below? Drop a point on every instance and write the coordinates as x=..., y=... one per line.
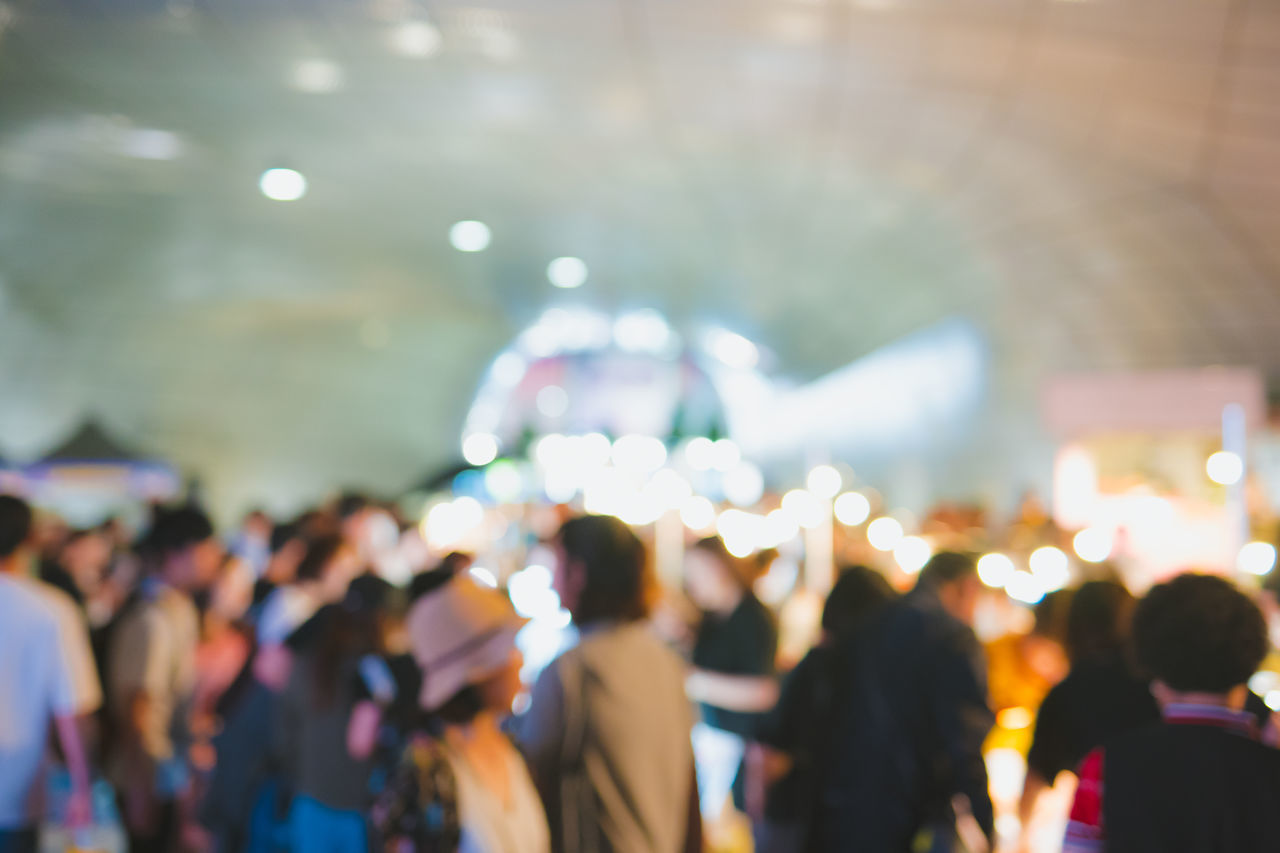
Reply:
x=470, y=236
x=316, y=76
x=418, y=39
x=283, y=184
x=567, y=273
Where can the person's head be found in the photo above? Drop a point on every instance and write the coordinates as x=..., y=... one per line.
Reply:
x=457, y=562
x=602, y=571
x=953, y=577
x=1198, y=634
x=86, y=555
x=463, y=638
x=287, y=547
x=857, y=595
x=353, y=510
x=15, y=532
x=180, y=547
x=257, y=524
x=353, y=627
x=1098, y=621
x=715, y=579
x=327, y=564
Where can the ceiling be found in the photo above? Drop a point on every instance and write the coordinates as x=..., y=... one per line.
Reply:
x=1092, y=184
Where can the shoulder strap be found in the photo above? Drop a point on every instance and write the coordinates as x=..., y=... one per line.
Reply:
x=580, y=827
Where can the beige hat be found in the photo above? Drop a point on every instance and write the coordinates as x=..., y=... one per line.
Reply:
x=460, y=633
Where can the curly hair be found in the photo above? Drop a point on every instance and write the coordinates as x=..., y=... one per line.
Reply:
x=1199, y=633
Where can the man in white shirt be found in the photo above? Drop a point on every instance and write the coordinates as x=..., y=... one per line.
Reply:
x=38, y=692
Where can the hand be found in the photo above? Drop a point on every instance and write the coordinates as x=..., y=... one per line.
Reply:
x=79, y=808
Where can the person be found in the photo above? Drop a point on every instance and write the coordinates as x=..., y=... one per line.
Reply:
x=733, y=653
x=253, y=543
x=327, y=776
x=453, y=563
x=607, y=732
x=242, y=804
x=1199, y=780
x=907, y=771
x=796, y=733
x=151, y=677
x=460, y=784
x=1101, y=696
x=39, y=693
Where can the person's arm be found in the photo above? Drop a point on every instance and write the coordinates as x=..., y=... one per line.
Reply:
x=80, y=805
x=963, y=719
x=289, y=714
x=540, y=732
x=747, y=693
x=377, y=690
x=1044, y=758
x=1085, y=833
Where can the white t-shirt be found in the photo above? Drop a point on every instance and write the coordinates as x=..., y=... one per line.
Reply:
x=75, y=644
x=38, y=685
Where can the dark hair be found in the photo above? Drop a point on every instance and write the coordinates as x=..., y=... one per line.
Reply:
x=1098, y=621
x=735, y=569
x=320, y=550
x=617, y=583
x=1199, y=633
x=1051, y=614
x=351, y=503
x=946, y=567
x=347, y=632
x=174, y=529
x=460, y=709
x=15, y=524
x=857, y=595
x=282, y=533
x=75, y=534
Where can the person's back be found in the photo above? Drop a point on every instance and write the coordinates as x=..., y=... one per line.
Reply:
x=626, y=690
x=312, y=736
x=607, y=734
x=911, y=716
x=1096, y=701
x=37, y=687
x=1200, y=781
x=1182, y=786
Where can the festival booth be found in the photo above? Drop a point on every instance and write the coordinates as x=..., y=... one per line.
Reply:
x=91, y=477
x=1153, y=469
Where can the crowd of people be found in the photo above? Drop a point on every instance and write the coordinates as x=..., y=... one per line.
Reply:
x=272, y=692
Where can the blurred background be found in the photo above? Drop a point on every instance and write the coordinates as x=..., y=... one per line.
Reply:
x=906, y=219
x=839, y=281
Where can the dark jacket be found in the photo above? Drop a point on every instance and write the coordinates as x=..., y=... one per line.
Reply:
x=911, y=714
x=1190, y=789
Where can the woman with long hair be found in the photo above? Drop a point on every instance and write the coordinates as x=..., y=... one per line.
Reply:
x=607, y=733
